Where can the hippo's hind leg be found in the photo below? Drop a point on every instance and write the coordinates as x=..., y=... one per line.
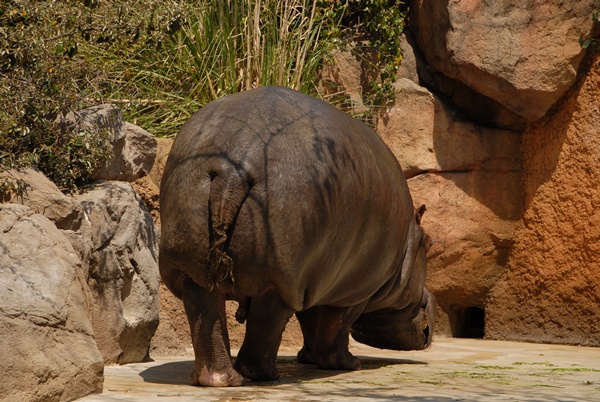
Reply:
x=267, y=318
x=308, y=319
x=208, y=324
x=326, y=332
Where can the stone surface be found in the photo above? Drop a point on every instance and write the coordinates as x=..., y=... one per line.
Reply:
x=113, y=234
x=472, y=224
x=44, y=197
x=148, y=187
x=551, y=289
x=425, y=135
x=123, y=275
x=451, y=370
x=46, y=339
x=347, y=77
x=134, y=149
x=451, y=163
x=409, y=67
x=524, y=55
x=343, y=82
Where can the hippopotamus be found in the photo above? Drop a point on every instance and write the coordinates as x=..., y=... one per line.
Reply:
x=285, y=204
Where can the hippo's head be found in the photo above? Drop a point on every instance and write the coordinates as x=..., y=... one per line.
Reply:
x=409, y=327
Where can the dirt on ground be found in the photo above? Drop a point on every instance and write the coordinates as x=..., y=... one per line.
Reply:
x=451, y=370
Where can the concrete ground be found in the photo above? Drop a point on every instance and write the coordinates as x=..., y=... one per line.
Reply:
x=451, y=370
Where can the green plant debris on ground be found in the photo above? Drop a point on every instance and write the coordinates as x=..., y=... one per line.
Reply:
x=548, y=364
x=341, y=382
x=574, y=370
x=486, y=367
x=476, y=374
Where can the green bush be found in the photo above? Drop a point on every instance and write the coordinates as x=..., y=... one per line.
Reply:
x=160, y=61
x=43, y=75
x=382, y=21
x=594, y=41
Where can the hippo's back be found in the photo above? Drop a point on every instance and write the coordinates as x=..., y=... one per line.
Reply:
x=273, y=188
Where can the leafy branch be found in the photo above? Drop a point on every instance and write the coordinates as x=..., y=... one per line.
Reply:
x=593, y=42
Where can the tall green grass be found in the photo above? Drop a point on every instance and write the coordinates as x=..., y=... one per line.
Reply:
x=219, y=47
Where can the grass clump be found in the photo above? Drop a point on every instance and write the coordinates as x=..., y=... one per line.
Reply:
x=217, y=48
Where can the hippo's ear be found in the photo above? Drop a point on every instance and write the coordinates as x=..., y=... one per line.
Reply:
x=419, y=213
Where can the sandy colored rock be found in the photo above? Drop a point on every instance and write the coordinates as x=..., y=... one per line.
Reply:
x=134, y=152
x=343, y=81
x=425, y=135
x=550, y=291
x=148, y=187
x=472, y=225
x=46, y=338
x=469, y=177
x=134, y=149
x=44, y=197
x=524, y=55
x=123, y=275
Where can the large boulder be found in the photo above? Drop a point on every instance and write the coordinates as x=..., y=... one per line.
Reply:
x=551, y=290
x=148, y=186
x=44, y=197
x=524, y=55
x=123, y=271
x=451, y=163
x=134, y=149
x=471, y=217
x=113, y=234
x=425, y=135
x=46, y=338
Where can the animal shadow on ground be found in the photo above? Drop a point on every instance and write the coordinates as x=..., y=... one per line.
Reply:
x=178, y=373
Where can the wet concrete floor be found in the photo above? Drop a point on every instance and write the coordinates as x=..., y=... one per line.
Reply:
x=451, y=370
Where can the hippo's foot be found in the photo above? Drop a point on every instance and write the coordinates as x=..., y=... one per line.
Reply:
x=339, y=361
x=229, y=378
x=306, y=356
x=257, y=372
x=342, y=360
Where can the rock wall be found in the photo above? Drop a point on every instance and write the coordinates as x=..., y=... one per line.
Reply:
x=522, y=54
x=495, y=122
x=46, y=338
x=515, y=212
x=123, y=272
x=551, y=290
x=78, y=274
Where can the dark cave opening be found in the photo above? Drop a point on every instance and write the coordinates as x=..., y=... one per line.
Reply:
x=468, y=322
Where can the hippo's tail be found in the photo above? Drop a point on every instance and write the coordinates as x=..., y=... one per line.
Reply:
x=226, y=197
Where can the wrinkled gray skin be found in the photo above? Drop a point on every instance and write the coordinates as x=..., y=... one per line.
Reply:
x=283, y=203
